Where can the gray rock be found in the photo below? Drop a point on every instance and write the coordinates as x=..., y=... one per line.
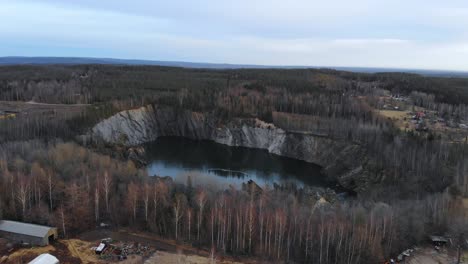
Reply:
x=342, y=161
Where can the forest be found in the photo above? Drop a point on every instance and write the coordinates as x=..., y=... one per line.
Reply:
x=419, y=179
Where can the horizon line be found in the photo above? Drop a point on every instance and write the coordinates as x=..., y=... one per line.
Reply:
x=154, y=62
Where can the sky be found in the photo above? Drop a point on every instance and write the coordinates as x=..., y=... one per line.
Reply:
x=417, y=34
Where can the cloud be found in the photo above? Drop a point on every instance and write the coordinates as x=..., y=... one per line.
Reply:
x=366, y=41
x=396, y=33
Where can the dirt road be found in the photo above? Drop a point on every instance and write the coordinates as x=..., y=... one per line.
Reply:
x=47, y=104
x=430, y=256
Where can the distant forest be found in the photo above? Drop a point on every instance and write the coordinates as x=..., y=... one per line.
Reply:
x=97, y=83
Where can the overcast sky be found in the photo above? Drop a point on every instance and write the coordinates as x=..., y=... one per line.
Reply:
x=429, y=34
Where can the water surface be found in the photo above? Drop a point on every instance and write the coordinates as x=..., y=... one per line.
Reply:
x=207, y=161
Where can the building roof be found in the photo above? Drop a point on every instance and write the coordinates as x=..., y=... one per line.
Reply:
x=45, y=259
x=439, y=239
x=24, y=228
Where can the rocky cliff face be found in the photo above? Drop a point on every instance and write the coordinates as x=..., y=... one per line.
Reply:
x=341, y=161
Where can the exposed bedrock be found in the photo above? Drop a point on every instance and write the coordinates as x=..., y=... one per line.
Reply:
x=342, y=161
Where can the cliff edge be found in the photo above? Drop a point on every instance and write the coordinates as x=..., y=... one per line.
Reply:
x=342, y=161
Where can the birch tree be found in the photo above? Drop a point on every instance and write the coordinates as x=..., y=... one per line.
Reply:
x=22, y=192
x=178, y=206
x=201, y=201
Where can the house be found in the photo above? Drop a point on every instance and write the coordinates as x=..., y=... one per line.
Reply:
x=418, y=115
x=27, y=233
x=45, y=259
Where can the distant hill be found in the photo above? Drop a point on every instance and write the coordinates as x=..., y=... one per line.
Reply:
x=76, y=60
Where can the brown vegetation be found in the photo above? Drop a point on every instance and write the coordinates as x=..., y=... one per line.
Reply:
x=275, y=223
x=419, y=180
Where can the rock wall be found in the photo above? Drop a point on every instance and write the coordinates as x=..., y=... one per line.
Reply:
x=341, y=161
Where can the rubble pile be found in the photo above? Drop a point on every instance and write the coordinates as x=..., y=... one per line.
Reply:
x=115, y=250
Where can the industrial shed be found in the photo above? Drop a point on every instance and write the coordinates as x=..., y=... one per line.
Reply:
x=45, y=259
x=27, y=233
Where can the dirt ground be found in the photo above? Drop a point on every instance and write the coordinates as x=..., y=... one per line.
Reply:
x=174, y=258
x=3, y=247
x=59, y=250
x=32, y=107
x=431, y=256
x=394, y=114
x=29, y=109
x=168, y=251
x=397, y=117
x=66, y=250
x=143, y=238
x=26, y=255
x=79, y=250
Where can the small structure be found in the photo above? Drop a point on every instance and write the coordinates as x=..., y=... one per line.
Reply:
x=101, y=248
x=7, y=114
x=45, y=259
x=438, y=240
x=420, y=115
x=405, y=254
x=104, y=225
x=27, y=233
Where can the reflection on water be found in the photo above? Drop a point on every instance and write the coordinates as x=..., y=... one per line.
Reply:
x=206, y=161
x=228, y=173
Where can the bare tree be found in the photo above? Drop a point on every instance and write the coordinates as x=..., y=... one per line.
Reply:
x=132, y=199
x=160, y=192
x=62, y=220
x=189, y=222
x=106, y=184
x=178, y=205
x=201, y=201
x=50, y=185
x=146, y=193
x=96, y=203
x=22, y=192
